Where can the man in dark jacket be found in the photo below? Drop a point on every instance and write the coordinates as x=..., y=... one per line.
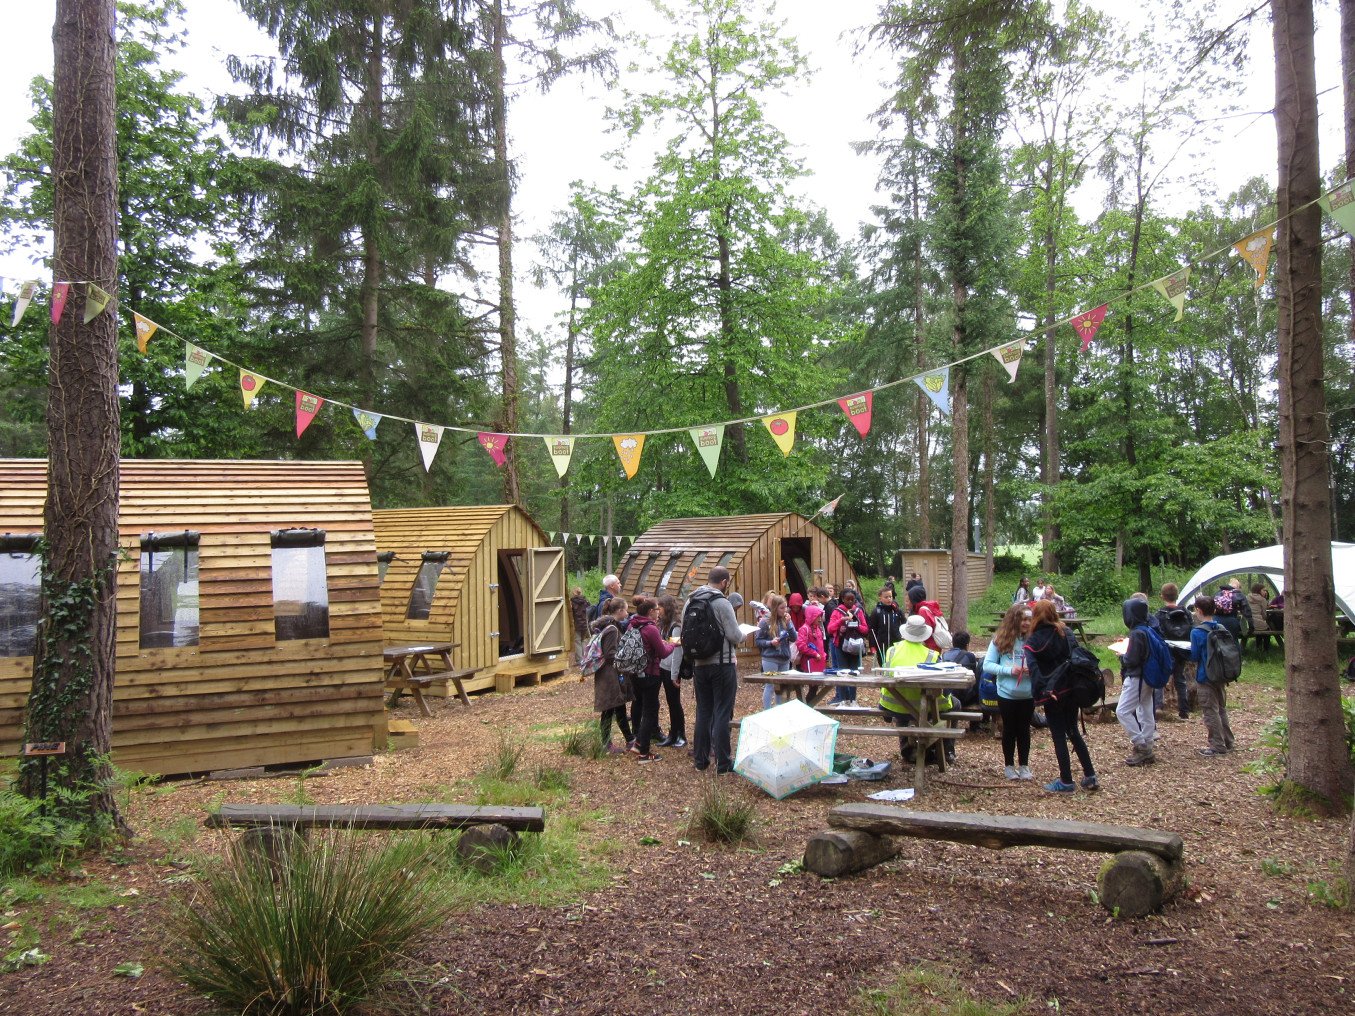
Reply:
x=886, y=623
x=715, y=677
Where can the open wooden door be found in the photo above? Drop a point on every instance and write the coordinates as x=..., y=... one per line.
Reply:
x=546, y=615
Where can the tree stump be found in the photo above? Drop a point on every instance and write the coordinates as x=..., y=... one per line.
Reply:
x=835, y=852
x=482, y=847
x=271, y=845
x=1135, y=883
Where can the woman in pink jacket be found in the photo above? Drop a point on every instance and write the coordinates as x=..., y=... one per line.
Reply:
x=813, y=641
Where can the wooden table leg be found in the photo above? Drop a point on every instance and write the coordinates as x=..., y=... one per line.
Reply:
x=418, y=700
x=460, y=690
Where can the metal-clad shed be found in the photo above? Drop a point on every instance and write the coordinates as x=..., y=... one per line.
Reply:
x=484, y=577
x=933, y=567
x=248, y=626
x=783, y=551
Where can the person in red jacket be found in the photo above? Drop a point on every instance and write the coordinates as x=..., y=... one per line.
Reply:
x=796, y=603
x=929, y=611
x=849, y=632
x=812, y=641
x=647, y=685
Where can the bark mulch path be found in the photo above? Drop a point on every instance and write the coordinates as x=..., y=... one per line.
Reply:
x=695, y=927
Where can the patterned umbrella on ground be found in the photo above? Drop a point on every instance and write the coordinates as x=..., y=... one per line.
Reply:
x=786, y=748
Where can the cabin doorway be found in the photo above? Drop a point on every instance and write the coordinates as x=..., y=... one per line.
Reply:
x=512, y=580
x=797, y=565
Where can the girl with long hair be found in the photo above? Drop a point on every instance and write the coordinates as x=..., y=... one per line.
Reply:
x=1048, y=645
x=1006, y=663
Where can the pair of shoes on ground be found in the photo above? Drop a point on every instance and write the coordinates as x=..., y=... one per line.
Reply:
x=1139, y=757
x=1057, y=786
x=1018, y=773
x=1211, y=752
x=673, y=742
x=643, y=757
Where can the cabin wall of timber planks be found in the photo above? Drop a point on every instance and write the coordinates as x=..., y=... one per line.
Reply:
x=239, y=696
x=465, y=605
x=934, y=568
x=784, y=552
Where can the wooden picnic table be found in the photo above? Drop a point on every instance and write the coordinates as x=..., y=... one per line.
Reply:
x=931, y=681
x=411, y=669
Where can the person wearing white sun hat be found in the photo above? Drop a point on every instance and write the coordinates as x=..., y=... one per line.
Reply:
x=902, y=706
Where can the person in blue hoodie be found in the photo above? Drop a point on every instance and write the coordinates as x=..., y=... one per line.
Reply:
x=1006, y=661
x=1213, y=698
x=1136, y=710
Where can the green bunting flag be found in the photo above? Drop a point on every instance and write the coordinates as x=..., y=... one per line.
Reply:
x=708, y=441
x=1173, y=288
x=195, y=361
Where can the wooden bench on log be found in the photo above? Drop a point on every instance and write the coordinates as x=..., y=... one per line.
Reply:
x=1146, y=871
x=488, y=827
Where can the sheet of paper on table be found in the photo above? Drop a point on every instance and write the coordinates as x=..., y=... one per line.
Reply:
x=747, y=629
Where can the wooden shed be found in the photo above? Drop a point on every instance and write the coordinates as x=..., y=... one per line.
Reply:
x=483, y=577
x=785, y=552
x=933, y=566
x=248, y=630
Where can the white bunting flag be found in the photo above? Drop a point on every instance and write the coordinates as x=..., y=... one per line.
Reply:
x=430, y=436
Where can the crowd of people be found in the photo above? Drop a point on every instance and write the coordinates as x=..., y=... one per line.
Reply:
x=638, y=650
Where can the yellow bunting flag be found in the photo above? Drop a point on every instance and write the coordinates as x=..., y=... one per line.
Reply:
x=145, y=328
x=95, y=301
x=1255, y=250
x=628, y=448
x=250, y=385
x=561, y=450
x=430, y=436
x=782, y=429
x=1173, y=288
x=1010, y=356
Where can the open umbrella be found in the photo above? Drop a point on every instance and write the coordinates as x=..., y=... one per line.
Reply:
x=786, y=748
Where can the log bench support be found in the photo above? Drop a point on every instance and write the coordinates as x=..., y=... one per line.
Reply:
x=1146, y=871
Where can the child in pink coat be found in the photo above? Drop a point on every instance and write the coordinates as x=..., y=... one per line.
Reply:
x=812, y=641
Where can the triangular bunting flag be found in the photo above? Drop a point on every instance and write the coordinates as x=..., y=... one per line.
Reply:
x=708, y=441
x=430, y=436
x=1340, y=205
x=307, y=405
x=858, y=409
x=561, y=450
x=95, y=301
x=1010, y=357
x=25, y=298
x=250, y=385
x=936, y=385
x=1255, y=250
x=551, y=534
x=1173, y=288
x=782, y=429
x=629, y=447
x=1088, y=324
x=60, y=291
x=195, y=361
x=367, y=421
x=494, y=444
x=145, y=328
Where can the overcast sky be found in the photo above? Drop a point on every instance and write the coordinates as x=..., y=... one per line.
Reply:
x=561, y=136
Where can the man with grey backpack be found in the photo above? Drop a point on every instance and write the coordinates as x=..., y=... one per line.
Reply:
x=1218, y=663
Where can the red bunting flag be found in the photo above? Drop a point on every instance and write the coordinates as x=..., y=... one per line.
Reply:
x=1086, y=325
x=307, y=405
x=858, y=409
x=60, y=291
x=495, y=445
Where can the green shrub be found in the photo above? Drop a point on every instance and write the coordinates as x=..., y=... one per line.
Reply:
x=926, y=992
x=1097, y=586
x=1274, y=741
x=584, y=741
x=33, y=842
x=320, y=930
x=721, y=817
x=551, y=778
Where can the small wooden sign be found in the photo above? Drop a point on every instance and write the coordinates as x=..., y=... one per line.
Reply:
x=33, y=748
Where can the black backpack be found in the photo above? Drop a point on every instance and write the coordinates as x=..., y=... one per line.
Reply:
x=702, y=636
x=1175, y=623
x=1223, y=665
x=1077, y=681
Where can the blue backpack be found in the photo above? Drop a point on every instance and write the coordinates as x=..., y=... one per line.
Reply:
x=1157, y=668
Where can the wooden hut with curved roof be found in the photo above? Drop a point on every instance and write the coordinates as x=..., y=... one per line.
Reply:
x=484, y=577
x=783, y=551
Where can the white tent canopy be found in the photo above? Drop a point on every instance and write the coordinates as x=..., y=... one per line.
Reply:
x=1269, y=561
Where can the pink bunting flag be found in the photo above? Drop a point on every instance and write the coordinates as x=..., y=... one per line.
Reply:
x=858, y=409
x=60, y=291
x=307, y=405
x=495, y=445
x=1086, y=325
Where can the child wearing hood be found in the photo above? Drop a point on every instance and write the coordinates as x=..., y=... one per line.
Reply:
x=812, y=641
x=796, y=603
x=1135, y=711
x=929, y=611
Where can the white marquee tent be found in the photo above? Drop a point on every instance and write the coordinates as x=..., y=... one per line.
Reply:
x=1269, y=561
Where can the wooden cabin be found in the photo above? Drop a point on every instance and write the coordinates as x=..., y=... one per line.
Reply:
x=483, y=577
x=785, y=552
x=933, y=567
x=248, y=627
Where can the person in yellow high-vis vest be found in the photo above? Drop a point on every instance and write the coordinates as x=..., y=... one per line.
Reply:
x=903, y=705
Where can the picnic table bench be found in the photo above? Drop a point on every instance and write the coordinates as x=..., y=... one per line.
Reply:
x=411, y=669
x=1146, y=871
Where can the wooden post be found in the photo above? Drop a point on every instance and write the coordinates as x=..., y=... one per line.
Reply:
x=1135, y=883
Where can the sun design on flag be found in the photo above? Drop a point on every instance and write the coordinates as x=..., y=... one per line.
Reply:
x=934, y=382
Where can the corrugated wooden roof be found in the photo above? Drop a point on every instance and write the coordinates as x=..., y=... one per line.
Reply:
x=732, y=532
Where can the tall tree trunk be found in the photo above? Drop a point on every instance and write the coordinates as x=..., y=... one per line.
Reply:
x=1141, y=549
x=571, y=341
x=989, y=477
x=1348, y=94
x=1318, y=760
x=959, y=523
x=371, y=251
x=508, y=345
x=1049, y=534
x=73, y=663
x=924, y=501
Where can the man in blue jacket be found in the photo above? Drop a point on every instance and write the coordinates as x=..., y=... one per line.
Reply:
x=1213, y=698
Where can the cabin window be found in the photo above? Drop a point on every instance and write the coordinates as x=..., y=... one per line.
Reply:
x=383, y=565
x=644, y=574
x=300, y=585
x=20, y=586
x=668, y=571
x=725, y=558
x=694, y=577
x=169, y=590
x=626, y=566
x=425, y=585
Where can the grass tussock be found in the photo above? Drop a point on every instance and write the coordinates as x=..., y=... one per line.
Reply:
x=720, y=816
x=584, y=741
x=508, y=755
x=925, y=992
x=321, y=928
